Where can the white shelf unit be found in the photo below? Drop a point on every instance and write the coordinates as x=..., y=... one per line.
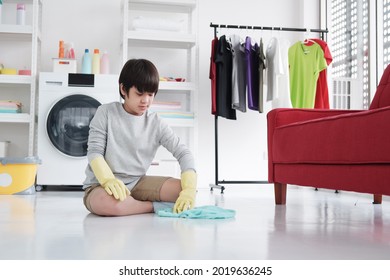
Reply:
x=20, y=46
x=175, y=54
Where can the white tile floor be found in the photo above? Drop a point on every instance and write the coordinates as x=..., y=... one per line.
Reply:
x=313, y=225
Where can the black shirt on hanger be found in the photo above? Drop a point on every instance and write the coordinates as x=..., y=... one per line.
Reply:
x=224, y=63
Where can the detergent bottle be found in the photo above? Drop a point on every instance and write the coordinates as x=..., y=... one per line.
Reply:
x=96, y=62
x=105, y=64
x=86, y=67
x=70, y=51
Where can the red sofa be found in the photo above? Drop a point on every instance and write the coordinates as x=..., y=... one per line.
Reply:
x=332, y=149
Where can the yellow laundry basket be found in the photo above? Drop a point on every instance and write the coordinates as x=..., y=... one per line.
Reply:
x=17, y=174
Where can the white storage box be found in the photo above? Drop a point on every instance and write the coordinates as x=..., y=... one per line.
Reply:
x=64, y=65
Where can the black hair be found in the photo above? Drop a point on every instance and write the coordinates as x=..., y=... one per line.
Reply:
x=140, y=73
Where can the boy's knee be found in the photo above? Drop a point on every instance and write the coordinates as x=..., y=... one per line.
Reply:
x=103, y=204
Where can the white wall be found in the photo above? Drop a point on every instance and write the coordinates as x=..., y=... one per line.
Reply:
x=88, y=24
x=242, y=143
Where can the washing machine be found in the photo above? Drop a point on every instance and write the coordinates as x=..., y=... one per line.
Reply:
x=67, y=102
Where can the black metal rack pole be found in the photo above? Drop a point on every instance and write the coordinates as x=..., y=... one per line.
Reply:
x=289, y=29
x=217, y=183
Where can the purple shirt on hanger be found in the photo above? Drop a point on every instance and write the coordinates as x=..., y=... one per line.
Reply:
x=252, y=58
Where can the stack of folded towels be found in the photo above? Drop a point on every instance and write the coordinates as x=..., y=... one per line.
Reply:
x=7, y=106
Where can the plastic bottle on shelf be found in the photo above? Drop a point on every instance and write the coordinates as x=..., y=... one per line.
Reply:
x=86, y=67
x=61, y=49
x=105, y=63
x=96, y=62
x=70, y=51
x=20, y=14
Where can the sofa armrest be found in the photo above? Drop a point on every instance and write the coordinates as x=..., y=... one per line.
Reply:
x=285, y=116
x=355, y=138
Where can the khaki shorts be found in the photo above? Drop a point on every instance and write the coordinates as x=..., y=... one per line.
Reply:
x=147, y=189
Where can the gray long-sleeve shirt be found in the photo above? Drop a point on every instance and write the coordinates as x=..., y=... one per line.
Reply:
x=129, y=143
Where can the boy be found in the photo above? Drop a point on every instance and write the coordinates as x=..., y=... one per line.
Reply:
x=123, y=140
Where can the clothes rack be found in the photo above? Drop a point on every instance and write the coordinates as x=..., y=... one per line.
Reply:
x=219, y=183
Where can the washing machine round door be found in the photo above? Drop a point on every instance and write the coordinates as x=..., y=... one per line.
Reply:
x=68, y=121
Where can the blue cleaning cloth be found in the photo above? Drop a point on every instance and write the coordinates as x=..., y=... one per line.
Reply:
x=202, y=212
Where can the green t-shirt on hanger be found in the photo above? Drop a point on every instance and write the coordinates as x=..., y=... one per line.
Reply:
x=305, y=64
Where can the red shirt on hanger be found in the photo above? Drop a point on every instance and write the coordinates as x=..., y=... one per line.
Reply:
x=213, y=76
x=322, y=92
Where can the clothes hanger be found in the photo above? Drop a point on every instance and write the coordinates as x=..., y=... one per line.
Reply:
x=307, y=41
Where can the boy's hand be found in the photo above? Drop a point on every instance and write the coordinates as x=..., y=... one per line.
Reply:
x=116, y=188
x=107, y=179
x=186, y=199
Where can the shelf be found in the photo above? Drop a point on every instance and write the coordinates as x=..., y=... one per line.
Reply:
x=14, y=118
x=176, y=86
x=141, y=40
x=19, y=1
x=158, y=161
x=16, y=87
x=179, y=122
x=161, y=39
x=15, y=79
x=177, y=119
x=178, y=6
x=16, y=31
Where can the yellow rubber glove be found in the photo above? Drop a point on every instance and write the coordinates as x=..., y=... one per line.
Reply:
x=107, y=179
x=186, y=199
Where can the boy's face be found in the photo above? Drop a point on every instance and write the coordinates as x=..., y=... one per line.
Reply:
x=136, y=103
